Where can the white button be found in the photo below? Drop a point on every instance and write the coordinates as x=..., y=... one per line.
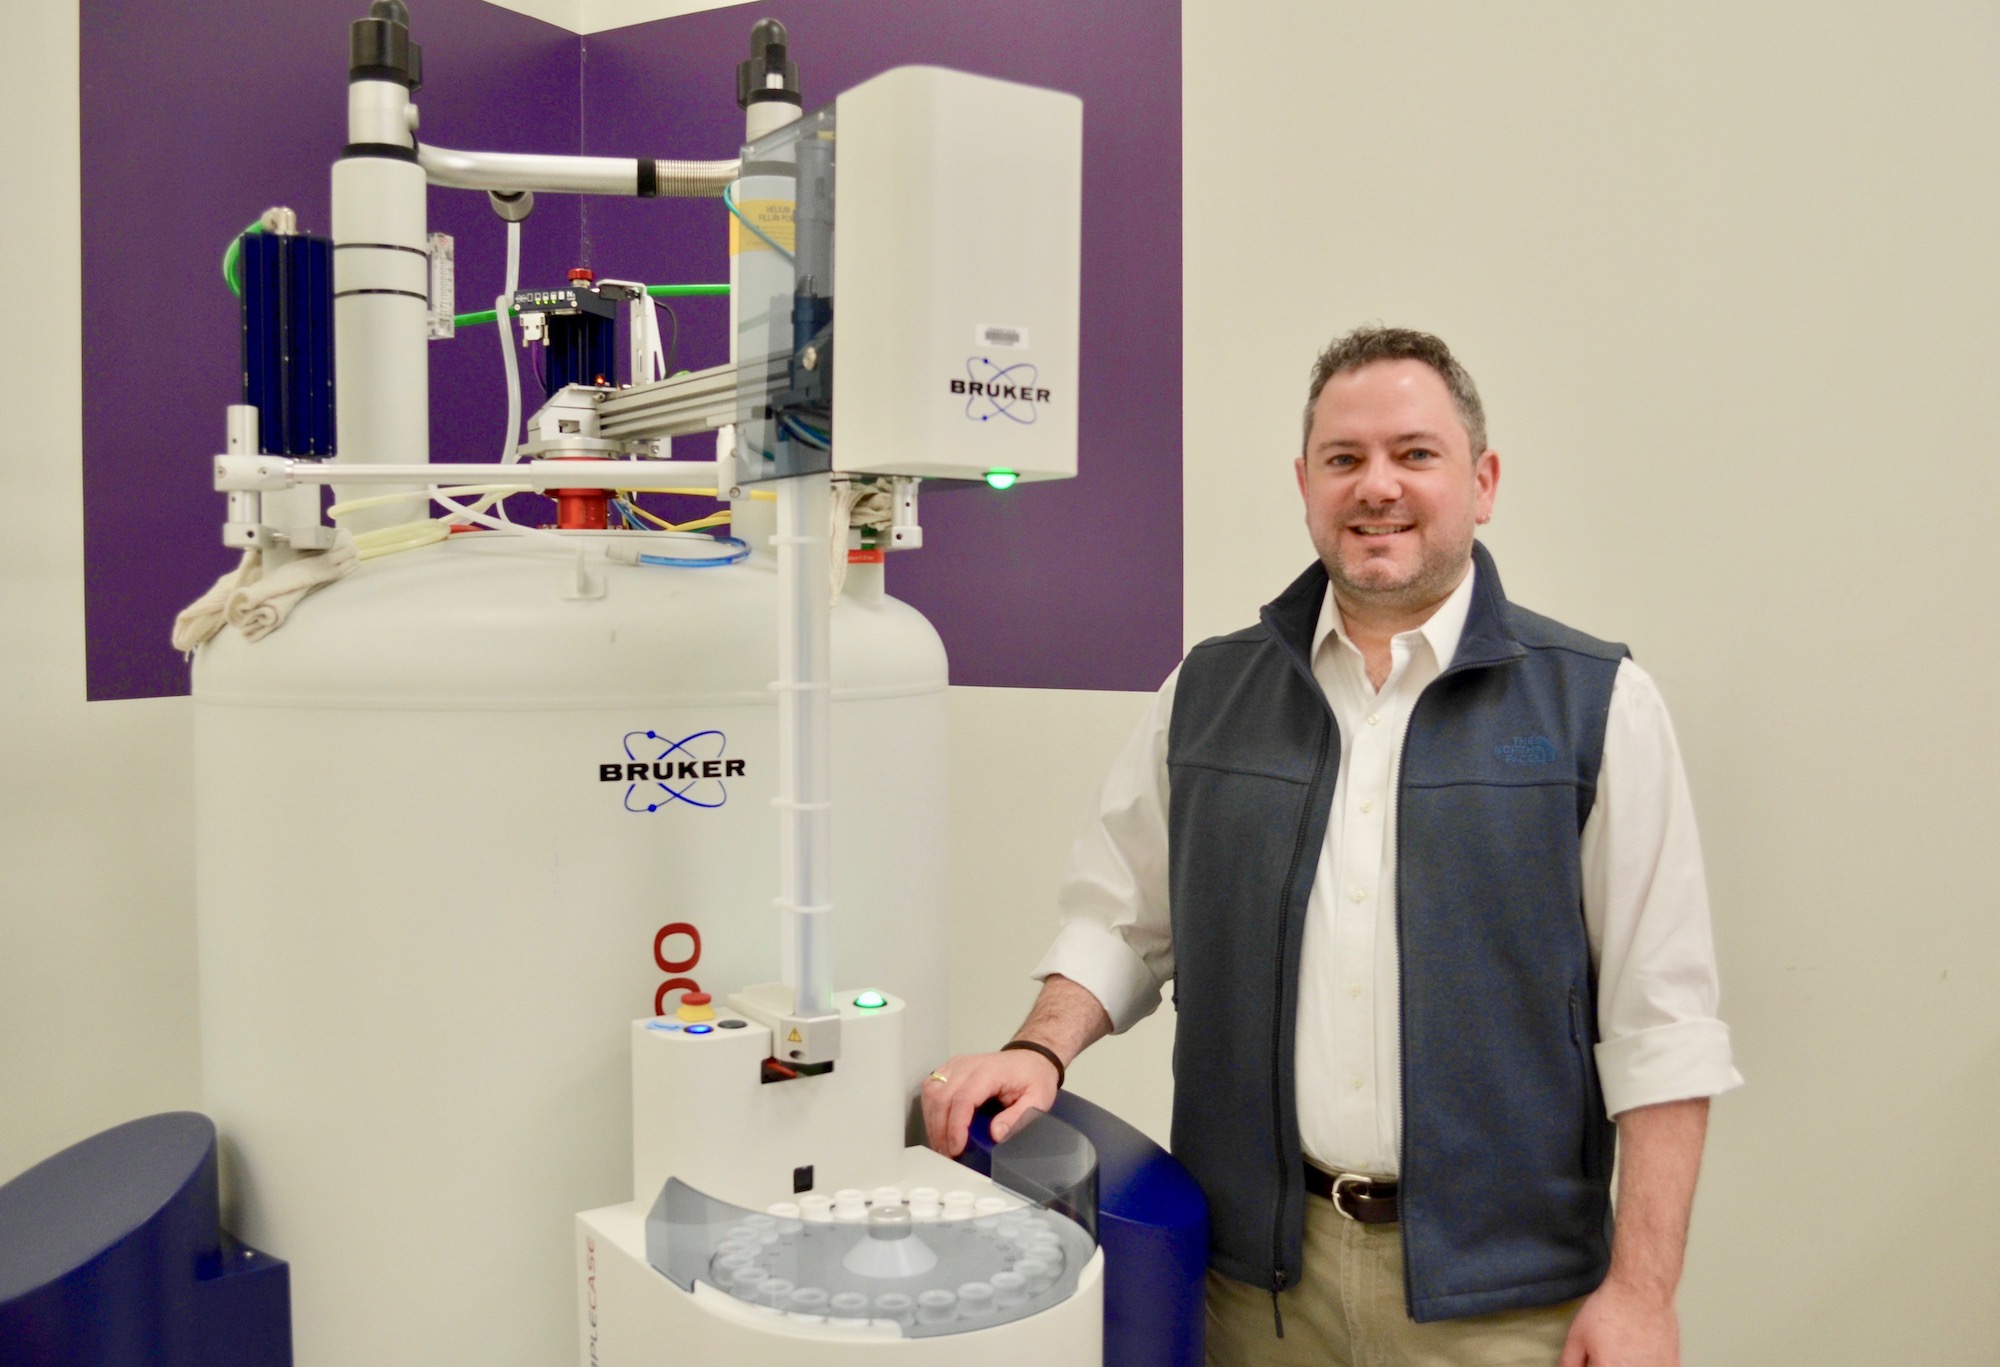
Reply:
x=1361, y=894
x=1355, y=1083
x=1368, y=806
x=1374, y=717
x=1354, y=989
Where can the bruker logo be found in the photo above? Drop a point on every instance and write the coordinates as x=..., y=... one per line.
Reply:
x=1000, y=391
x=658, y=772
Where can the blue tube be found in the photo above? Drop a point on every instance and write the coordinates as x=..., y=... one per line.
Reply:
x=705, y=562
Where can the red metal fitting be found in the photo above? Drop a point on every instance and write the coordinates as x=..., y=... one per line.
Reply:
x=582, y=275
x=582, y=510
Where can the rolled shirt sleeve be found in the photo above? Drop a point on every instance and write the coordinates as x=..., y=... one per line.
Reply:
x=1645, y=898
x=1115, y=939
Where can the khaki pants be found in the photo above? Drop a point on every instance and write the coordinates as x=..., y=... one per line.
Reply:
x=1349, y=1312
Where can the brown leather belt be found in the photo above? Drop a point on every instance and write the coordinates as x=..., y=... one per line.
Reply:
x=1365, y=1199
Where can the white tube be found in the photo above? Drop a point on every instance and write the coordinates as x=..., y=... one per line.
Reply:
x=805, y=818
x=510, y=445
x=565, y=474
x=570, y=175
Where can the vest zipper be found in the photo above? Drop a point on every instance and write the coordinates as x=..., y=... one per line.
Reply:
x=1404, y=1204
x=1285, y=1174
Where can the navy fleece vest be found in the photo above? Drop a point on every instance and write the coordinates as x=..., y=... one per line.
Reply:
x=1506, y=1150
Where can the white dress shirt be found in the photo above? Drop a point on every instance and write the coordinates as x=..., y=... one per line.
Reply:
x=1645, y=902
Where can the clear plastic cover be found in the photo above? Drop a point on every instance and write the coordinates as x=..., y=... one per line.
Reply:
x=783, y=253
x=925, y=1261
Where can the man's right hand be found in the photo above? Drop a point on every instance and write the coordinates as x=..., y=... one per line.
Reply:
x=1021, y=1078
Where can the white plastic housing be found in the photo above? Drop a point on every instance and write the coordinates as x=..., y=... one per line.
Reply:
x=629, y=1315
x=426, y=921
x=700, y=1113
x=957, y=243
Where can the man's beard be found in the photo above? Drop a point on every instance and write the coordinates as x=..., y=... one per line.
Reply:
x=1437, y=572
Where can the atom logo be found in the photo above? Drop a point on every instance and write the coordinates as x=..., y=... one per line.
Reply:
x=996, y=391
x=660, y=771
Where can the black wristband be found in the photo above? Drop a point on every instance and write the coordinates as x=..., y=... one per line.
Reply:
x=1044, y=1051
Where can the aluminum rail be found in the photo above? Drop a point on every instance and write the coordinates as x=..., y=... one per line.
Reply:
x=695, y=402
x=515, y=171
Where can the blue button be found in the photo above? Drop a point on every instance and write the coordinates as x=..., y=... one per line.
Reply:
x=701, y=1029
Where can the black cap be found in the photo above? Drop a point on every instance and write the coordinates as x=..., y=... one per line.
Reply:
x=767, y=58
x=379, y=47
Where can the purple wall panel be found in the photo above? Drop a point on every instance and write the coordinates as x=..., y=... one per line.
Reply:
x=1072, y=585
x=195, y=118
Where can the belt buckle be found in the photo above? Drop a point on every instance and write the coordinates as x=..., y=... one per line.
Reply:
x=1341, y=1181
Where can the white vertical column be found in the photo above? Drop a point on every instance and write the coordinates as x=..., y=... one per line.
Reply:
x=805, y=750
x=381, y=280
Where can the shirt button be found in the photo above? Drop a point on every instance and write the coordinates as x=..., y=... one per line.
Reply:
x=1360, y=894
x=1374, y=717
x=1355, y=1083
x=1354, y=989
x=1367, y=807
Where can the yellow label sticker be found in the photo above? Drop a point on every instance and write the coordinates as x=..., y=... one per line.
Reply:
x=773, y=218
x=794, y=1038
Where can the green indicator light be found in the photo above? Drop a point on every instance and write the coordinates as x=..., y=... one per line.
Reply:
x=869, y=1001
x=1002, y=479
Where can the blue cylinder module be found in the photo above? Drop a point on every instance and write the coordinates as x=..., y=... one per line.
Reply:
x=112, y=1255
x=288, y=341
x=1152, y=1222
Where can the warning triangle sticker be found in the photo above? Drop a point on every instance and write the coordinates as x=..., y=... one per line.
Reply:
x=794, y=1038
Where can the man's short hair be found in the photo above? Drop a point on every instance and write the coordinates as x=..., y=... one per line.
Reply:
x=1371, y=343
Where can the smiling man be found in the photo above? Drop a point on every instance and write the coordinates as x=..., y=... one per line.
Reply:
x=1422, y=869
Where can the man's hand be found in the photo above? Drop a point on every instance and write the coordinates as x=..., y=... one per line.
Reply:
x=1623, y=1326
x=1066, y=1019
x=1021, y=1079
x=1629, y=1321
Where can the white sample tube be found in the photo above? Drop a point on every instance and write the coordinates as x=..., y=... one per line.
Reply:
x=1036, y=1273
x=808, y=1300
x=975, y=1300
x=894, y=1305
x=886, y=1196
x=849, y=1305
x=784, y=1210
x=745, y=1282
x=1009, y=1289
x=936, y=1306
x=816, y=1207
x=775, y=1292
x=958, y=1205
x=850, y=1205
x=992, y=1205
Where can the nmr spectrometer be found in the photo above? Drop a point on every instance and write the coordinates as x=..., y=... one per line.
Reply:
x=473, y=792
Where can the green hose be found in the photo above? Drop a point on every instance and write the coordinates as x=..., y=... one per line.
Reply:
x=467, y=320
x=232, y=259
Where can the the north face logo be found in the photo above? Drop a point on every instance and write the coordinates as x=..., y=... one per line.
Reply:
x=1527, y=750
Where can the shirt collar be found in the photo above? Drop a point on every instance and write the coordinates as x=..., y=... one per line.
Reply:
x=1442, y=630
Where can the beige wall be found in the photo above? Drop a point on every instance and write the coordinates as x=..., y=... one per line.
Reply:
x=1726, y=276
x=97, y=998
